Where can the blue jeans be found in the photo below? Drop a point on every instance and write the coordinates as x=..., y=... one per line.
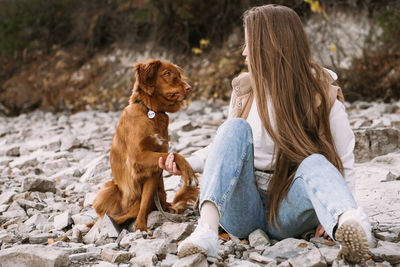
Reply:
x=318, y=193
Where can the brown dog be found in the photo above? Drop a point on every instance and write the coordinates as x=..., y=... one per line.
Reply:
x=140, y=140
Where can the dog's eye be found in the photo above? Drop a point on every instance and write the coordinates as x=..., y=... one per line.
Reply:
x=168, y=74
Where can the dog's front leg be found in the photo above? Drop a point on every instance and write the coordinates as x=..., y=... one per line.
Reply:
x=152, y=158
x=149, y=190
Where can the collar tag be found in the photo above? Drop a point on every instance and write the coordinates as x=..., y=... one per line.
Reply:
x=151, y=114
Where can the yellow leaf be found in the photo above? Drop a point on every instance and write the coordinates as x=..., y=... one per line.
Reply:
x=197, y=50
x=204, y=43
x=302, y=245
x=332, y=47
x=224, y=236
x=314, y=5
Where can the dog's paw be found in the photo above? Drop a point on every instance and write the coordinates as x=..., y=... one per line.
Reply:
x=195, y=181
x=141, y=227
x=190, y=178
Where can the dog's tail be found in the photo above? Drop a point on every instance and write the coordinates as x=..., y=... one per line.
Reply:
x=108, y=200
x=186, y=197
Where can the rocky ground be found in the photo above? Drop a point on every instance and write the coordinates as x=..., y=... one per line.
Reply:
x=51, y=166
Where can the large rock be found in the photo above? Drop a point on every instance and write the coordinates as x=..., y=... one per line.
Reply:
x=148, y=250
x=38, y=220
x=296, y=251
x=6, y=197
x=127, y=240
x=38, y=184
x=174, y=231
x=261, y=259
x=156, y=218
x=386, y=251
x=195, y=260
x=114, y=256
x=259, y=238
x=373, y=142
x=62, y=220
x=33, y=256
x=103, y=228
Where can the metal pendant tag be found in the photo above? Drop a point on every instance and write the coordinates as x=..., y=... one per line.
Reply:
x=151, y=114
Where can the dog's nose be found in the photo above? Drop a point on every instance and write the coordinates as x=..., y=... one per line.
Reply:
x=188, y=88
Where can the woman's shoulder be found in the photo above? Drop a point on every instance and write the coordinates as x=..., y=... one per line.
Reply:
x=242, y=84
x=332, y=75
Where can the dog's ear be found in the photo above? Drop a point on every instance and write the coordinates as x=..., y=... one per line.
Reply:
x=146, y=75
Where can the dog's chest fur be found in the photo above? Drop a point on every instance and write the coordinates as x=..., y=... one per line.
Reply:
x=159, y=140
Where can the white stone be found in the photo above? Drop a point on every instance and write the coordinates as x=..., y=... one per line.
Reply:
x=145, y=259
x=103, y=228
x=6, y=196
x=153, y=246
x=294, y=249
x=93, y=168
x=38, y=220
x=259, y=238
x=195, y=260
x=386, y=251
x=82, y=219
x=69, y=142
x=33, y=256
x=127, y=240
x=38, y=184
x=115, y=256
x=89, y=198
x=329, y=253
x=62, y=220
x=169, y=260
x=174, y=231
x=259, y=258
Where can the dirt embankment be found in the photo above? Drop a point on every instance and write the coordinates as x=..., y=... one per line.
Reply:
x=67, y=80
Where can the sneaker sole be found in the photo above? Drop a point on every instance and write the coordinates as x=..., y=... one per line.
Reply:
x=353, y=241
x=190, y=249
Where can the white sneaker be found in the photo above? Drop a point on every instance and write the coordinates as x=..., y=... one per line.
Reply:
x=203, y=240
x=354, y=234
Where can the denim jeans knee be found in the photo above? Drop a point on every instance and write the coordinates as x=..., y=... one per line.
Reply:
x=228, y=179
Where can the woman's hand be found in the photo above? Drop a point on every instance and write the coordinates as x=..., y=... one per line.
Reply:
x=169, y=165
x=321, y=232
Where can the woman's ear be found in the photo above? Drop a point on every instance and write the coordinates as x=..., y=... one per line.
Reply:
x=146, y=75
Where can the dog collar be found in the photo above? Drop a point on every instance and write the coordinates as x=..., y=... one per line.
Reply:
x=150, y=113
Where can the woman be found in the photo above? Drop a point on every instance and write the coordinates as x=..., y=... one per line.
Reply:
x=285, y=120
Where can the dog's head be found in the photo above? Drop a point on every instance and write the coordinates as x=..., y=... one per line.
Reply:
x=162, y=81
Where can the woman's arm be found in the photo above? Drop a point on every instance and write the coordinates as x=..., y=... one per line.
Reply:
x=198, y=159
x=344, y=140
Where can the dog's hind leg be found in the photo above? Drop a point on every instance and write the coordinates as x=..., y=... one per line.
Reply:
x=185, y=197
x=108, y=200
x=132, y=212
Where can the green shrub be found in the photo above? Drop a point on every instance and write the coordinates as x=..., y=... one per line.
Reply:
x=29, y=23
x=389, y=21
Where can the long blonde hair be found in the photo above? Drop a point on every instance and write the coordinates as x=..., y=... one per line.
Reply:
x=284, y=74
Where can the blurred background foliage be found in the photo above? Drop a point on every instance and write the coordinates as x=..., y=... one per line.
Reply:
x=47, y=45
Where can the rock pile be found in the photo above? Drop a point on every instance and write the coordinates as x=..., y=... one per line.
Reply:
x=51, y=166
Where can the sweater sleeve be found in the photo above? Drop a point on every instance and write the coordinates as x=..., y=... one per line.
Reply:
x=344, y=140
x=198, y=159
